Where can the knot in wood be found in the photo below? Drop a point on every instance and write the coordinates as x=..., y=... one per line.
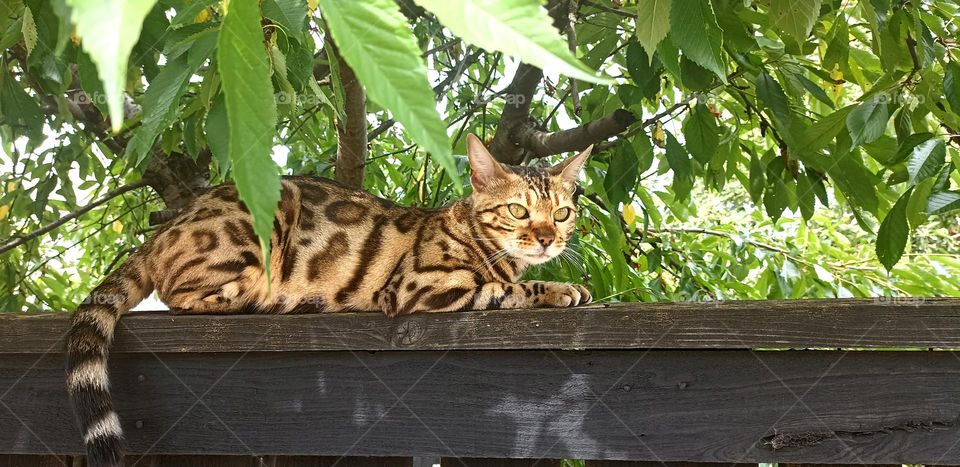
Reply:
x=408, y=333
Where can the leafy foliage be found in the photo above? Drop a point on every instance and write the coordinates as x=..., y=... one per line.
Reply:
x=777, y=149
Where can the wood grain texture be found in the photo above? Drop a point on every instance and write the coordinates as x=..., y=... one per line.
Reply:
x=487, y=462
x=870, y=323
x=609, y=463
x=36, y=461
x=730, y=406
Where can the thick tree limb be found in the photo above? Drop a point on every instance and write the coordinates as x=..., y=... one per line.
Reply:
x=73, y=215
x=517, y=137
x=516, y=114
x=176, y=177
x=542, y=143
x=352, y=131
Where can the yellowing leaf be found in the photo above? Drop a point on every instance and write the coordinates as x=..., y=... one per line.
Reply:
x=11, y=186
x=74, y=37
x=4, y=210
x=29, y=29
x=836, y=75
x=629, y=214
x=117, y=226
x=312, y=6
x=203, y=16
x=659, y=137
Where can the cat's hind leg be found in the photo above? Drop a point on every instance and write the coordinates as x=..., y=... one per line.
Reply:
x=206, y=300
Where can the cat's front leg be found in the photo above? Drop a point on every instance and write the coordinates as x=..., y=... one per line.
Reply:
x=530, y=294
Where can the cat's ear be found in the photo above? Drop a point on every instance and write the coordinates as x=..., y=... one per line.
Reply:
x=569, y=169
x=484, y=169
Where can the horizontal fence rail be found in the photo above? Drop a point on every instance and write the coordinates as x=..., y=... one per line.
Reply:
x=723, y=382
x=873, y=323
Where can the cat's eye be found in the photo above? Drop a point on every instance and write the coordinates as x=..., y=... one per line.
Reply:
x=562, y=214
x=518, y=211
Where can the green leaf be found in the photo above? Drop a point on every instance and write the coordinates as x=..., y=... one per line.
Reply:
x=20, y=111
x=776, y=196
x=252, y=116
x=653, y=23
x=758, y=178
x=838, y=48
x=902, y=123
x=868, y=121
x=289, y=14
x=772, y=96
x=943, y=201
x=109, y=29
x=926, y=160
x=645, y=73
x=376, y=42
x=795, y=17
x=805, y=195
x=855, y=181
x=694, y=29
x=669, y=55
x=160, y=105
x=679, y=161
x=217, y=130
x=951, y=85
x=520, y=28
x=622, y=174
x=678, y=158
x=821, y=133
x=892, y=237
x=906, y=146
x=701, y=133
x=815, y=91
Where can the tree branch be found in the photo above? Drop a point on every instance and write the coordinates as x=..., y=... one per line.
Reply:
x=517, y=138
x=543, y=143
x=176, y=177
x=73, y=215
x=352, y=131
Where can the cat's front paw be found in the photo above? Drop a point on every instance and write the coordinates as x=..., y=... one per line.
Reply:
x=563, y=295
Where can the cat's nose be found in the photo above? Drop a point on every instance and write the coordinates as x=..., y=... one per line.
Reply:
x=545, y=240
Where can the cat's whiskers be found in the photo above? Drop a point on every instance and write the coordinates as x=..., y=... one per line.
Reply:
x=492, y=259
x=573, y=258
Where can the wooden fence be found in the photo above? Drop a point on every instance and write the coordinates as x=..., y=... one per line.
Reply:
x=709, y=382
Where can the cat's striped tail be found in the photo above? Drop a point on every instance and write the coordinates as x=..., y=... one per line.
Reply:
x=88, y=344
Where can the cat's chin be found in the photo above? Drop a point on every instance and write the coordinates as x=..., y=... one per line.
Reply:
x=536, y=258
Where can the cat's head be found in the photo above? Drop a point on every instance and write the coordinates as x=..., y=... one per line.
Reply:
x=529, y=213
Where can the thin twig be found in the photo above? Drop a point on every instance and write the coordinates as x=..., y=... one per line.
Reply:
x=73, y=215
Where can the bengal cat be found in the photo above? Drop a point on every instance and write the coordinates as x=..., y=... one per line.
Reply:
x=333, y=249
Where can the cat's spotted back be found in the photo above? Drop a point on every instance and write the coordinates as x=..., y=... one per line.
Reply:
x=333, y=249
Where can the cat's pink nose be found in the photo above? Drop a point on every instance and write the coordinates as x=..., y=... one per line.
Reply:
x=545, y=240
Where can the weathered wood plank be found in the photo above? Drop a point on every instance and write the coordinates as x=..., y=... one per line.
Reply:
x=487, y=462
x=35, y=461
x=609, y=463
x=707, y=406
x=870, y=323
x=264, y=461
